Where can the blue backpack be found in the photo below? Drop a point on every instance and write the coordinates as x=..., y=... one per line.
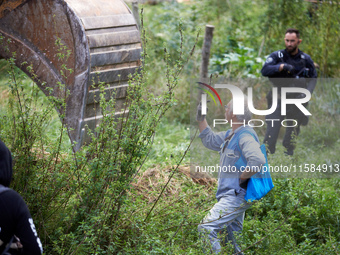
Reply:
x=260, y=183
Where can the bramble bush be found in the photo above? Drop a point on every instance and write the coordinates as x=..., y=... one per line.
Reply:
x=100, y=201
x=257, y=26
x=236, y=61
x=78, y=199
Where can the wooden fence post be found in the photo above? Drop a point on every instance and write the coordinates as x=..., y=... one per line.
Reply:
x=209, y=29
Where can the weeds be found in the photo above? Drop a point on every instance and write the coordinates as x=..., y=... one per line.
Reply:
x=83, y=195
x=96, y=200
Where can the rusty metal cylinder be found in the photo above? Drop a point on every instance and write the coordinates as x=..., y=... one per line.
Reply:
x=101, y=39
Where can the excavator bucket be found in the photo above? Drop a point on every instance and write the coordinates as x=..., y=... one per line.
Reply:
x=100, y=39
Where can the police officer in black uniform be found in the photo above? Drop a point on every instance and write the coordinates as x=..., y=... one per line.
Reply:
x=299, y=70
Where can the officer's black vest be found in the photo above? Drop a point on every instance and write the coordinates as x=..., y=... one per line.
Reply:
x=298, y=61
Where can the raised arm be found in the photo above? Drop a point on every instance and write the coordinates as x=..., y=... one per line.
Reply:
x=209, y=139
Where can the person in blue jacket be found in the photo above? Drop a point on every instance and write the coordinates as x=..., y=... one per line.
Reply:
x=227, y=215
x=298, y=70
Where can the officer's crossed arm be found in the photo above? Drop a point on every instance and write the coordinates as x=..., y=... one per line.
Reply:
x=274, y=66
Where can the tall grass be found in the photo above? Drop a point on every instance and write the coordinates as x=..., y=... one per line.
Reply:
x=76, y=198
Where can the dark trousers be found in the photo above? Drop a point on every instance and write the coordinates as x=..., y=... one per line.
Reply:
x=273, y=127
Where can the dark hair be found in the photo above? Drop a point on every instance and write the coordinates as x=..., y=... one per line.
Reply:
x=5, y=165
x=293, y=30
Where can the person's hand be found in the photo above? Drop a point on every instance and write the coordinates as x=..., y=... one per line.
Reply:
x=199, y=116
x=288, y=68
x=16, y=244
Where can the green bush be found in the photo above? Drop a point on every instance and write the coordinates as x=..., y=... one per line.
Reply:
x=77, y=198
x=237, y=61
x=100, y=201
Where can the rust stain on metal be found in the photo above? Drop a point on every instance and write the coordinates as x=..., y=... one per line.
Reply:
x=6, y=6
x=84, y=36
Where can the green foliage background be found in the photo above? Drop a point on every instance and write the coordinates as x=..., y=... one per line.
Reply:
x=92, y=202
